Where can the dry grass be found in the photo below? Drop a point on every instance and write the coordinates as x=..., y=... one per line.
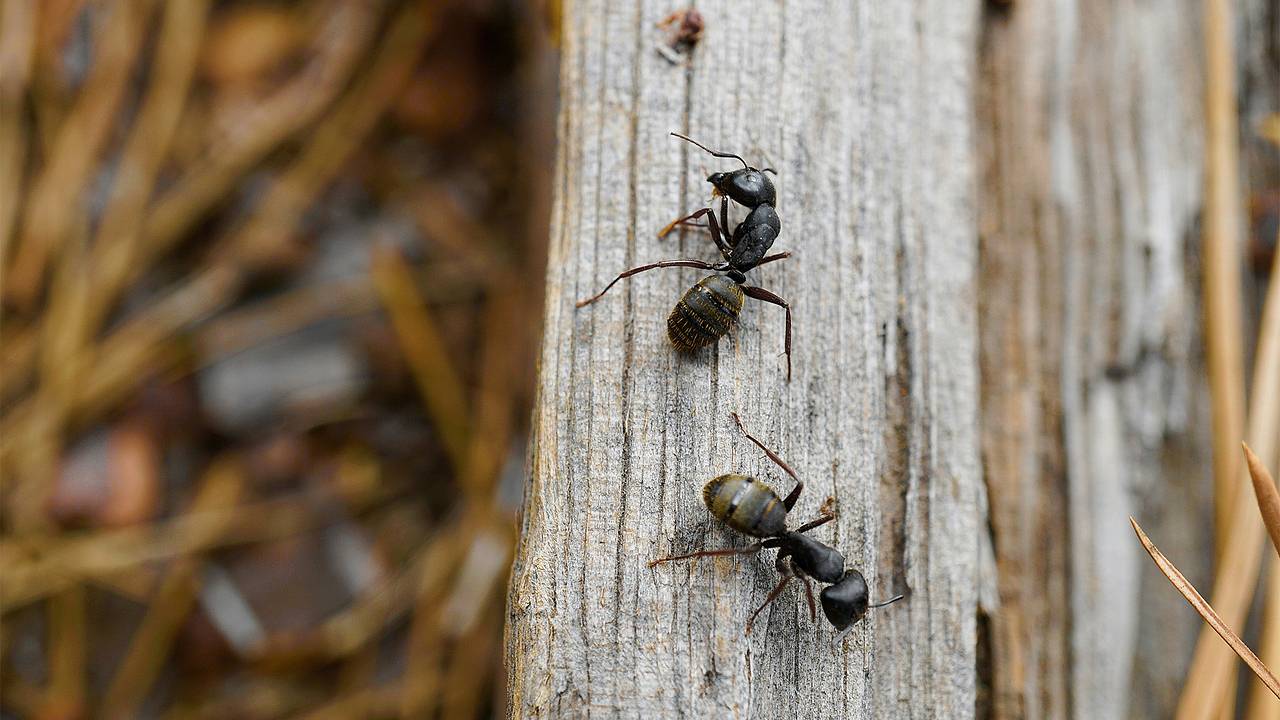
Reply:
x=1269, y=509
x=270, y=295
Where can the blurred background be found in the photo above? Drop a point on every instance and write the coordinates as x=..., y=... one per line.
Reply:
x=271, y=285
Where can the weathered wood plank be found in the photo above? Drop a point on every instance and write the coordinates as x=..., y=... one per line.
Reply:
x=1094, y=404
x=866, y=110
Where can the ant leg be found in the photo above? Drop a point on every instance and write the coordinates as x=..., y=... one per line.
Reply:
x=827, y=515
x=794, y=495
x=808, y=591
x=637, y=270
x=682, y=220
x=815, y=523
x=686, y=221
x=773, y=595
x=752, y=548
x=760, y=293
x=717, y=234
x=773, y=257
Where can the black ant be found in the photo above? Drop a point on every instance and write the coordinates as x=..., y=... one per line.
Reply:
x=707, y=310
x=753, y=508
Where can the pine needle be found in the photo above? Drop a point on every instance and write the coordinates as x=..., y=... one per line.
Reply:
x=1264, y=487
x=1206, y=611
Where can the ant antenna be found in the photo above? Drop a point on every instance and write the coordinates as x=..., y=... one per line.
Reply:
x=838, y=644
x=713, y=152
x=770, y=170
x=890, y=601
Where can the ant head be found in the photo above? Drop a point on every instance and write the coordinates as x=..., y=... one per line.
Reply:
x=846, y=602
x=748, y=186
x=817, y=560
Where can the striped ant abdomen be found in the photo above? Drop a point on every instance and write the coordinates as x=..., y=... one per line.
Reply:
x=705, y=313
x=746, y=505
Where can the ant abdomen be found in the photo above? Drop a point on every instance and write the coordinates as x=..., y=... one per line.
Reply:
x=746, y=505
x=705, y=313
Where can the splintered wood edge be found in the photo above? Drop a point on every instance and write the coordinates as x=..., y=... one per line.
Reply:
x=1264, y=487
x=1206, y=611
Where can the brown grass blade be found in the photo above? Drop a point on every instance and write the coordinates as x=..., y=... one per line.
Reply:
x=221, y=488
x=1209, y=679
x=1265, y=403
x=17, y=49
x=1264, y=487
x=424, y=350
x=52, y=205
x=1224, y=327
x=1184, y=586
x=141, y=161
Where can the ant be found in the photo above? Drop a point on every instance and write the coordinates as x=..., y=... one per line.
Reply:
x=753, y=508
x=707, y=310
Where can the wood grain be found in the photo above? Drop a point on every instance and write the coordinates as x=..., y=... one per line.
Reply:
x=994, y=211
x=1094, y=404
x=866, y=110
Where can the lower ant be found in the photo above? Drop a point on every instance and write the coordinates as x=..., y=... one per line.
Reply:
x=753, y=508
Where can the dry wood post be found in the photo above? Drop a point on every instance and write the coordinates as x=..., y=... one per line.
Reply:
x=865, y=108
x=1094, y=404
x=993, y=209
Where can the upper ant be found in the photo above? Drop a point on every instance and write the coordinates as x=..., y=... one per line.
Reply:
x=707, y=310
x=753, y=508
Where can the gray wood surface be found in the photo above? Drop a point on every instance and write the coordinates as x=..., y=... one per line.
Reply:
x=994, y=211
x=1094, y=403
x=866, y=110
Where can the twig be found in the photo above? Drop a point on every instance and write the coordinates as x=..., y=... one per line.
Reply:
x=67, y=561
x=351, y=629
x=337, y=136
x=142, y=345
x=282, y=315
x=424, y=350
x=20, y=697
x=462, y=696
x=17, y=358
x=55, y=203
x=493, y=402
x=115, y=244
x=17, y=32
x=425, y=643
x=68, y=651
x=1211, y=617
x=376, y=701
x=172, y=602
x=339, y=47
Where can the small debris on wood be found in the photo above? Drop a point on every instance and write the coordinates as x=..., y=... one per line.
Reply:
x=684, y=30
